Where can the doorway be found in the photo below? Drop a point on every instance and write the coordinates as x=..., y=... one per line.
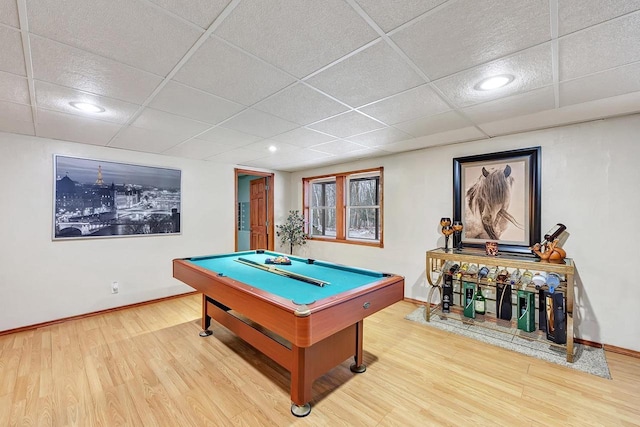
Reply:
x=254, y=210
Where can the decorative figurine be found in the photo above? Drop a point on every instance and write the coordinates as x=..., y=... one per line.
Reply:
x=549, y=251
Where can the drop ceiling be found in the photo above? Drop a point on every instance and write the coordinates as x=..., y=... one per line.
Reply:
x=323, y=81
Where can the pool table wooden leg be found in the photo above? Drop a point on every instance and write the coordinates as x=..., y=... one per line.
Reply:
x=206, y=319
x=358, y=367
x=301, y=382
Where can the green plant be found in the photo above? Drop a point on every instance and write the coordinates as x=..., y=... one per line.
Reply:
x=292, y=231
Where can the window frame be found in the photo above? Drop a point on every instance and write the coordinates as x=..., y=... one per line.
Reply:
x=342, y=207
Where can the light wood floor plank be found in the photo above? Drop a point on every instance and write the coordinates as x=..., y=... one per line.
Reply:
x=147, y=366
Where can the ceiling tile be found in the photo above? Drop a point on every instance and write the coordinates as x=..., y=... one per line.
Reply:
x=198, y=149
x=222, y=70
x=575, y=15
x=16, y=118
x=145, y=140
x=292, y=158
x=54, y=97
x=434, y=124
x=8, y=124
x=337, y=147
x=12, y=55
x=470, y=32
x=9, y=13
x=347, y=124
x=236, y=156
x=441, y=138
x=512, y=106
x=165, y=122
x=608, y=107
x=264, y=147
x=390, y=14
x=364, y=153
x=301, y=104
x=68, y=127
x=77, y=69
x=296, y=36
x=193, y=103
x=601, y=85
x=200, y=12
x=228, y=137
x=380, y=137
x=411, y=104
x=598, y=48
x=257, y=123
x=14, y=88
x=367, y=76
x=155, y=42
x=531, y=69
x=13, y=111
x=303, y=137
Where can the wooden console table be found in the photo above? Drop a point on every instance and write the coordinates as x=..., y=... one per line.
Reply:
x=436, y=259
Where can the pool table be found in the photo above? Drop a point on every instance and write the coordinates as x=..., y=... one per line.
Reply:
x=306, y=316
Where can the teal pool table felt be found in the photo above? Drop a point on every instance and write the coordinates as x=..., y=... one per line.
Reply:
x=341, y=278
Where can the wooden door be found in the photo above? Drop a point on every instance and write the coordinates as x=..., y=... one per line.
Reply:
x=258, y=213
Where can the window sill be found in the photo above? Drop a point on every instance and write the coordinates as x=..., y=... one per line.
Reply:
x=349, y=242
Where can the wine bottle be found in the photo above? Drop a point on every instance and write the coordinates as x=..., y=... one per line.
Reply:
x=525, y=279
x=454, y=269
x=493, y=273
x=515, y=277
x=480, y=303
x=483, y=272
x=473, y=269
x=503, y=275
x=552, y=234
x=553, y=281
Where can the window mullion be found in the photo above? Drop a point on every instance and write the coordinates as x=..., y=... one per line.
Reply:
x=340, y=208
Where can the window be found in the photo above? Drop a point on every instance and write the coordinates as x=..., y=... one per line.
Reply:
x=345, y=207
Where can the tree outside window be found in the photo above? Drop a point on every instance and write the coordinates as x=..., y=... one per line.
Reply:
x=345, y=207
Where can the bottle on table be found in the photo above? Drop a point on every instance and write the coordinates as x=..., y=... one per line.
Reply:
x=453, y=270
x=515, y=277
x=539, y=279
x=447, y=265
x=473, y=269
x=482, y=273
x=503, y=275
x=480, y=303
x=493, y=274
x=525, y=279
x=464, y=268
x=553, y=281
x=552, y=234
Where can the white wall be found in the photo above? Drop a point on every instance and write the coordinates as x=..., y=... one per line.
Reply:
x=43, y=280
x=590, y=178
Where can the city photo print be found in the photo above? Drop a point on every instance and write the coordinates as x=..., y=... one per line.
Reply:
x=98, y=199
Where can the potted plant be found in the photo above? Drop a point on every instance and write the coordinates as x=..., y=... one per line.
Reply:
x=292, y=231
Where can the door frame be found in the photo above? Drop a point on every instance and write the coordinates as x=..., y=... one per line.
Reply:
x=270, y=183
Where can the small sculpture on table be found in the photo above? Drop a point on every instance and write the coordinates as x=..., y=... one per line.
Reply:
x=549, y=251
x=447, y=230
x=457, y=236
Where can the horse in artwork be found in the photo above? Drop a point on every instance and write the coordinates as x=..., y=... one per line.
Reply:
x=488, y=200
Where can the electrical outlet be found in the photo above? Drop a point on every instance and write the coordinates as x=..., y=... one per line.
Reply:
x=115, y=287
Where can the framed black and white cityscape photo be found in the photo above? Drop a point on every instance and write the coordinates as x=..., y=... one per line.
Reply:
x=98, y=198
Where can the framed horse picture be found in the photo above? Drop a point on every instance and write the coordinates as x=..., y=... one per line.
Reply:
x=497, y=198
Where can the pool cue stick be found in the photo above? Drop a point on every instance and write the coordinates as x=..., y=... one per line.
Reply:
x=291, y=274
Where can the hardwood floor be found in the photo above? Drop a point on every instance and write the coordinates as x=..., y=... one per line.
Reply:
x=147, y=366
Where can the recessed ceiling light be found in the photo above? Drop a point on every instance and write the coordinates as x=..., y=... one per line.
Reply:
x=87, y=107
x=494, y=82
x=273, y=148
